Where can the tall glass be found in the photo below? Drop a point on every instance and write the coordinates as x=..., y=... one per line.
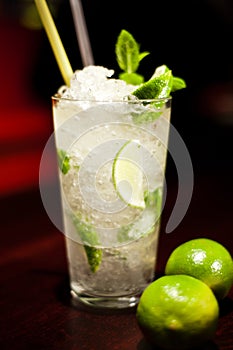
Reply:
x=112, y=158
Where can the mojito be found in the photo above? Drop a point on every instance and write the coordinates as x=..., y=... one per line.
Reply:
x=112, y=151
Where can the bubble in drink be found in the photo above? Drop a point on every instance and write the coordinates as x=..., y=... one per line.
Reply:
x=111, y=238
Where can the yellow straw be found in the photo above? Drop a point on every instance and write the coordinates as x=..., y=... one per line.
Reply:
x=55, y=41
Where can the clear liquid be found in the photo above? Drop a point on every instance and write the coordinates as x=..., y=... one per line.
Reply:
x=124, y=271
x=95, y=218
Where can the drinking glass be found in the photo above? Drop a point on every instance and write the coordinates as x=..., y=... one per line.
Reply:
x=111, y=158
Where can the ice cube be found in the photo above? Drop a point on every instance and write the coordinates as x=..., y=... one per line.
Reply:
x=95, y=83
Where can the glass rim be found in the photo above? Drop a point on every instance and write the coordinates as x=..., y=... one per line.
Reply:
x=58, y=97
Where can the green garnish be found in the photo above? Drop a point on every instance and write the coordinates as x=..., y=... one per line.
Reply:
x=178, y=84
x=132, y=78
x=128, y=58
x=148, y=116
x=90, y=239
x=128, y=55
x=154, y=199
x=94, y=256
x=157, y=87
x=63, y=161
x=161, y=84
x=123, y=233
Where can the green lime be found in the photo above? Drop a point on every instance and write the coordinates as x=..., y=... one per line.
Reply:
x=128, y=176
x=177, y=83
x=157, y=87
x=206, y=260
x=160, y=71
x=178, y=312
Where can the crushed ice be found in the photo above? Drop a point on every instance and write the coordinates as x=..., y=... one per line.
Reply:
x=95, y=83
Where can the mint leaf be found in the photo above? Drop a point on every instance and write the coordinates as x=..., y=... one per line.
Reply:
x=132, y=78
x=154, y=199
x=123, y=234
x=94, y=256
x=142, y=55
x=128, y=55
x=90, y=239
x=145, y=117
x=63, y=161
x=127, y=52
x=178, y=84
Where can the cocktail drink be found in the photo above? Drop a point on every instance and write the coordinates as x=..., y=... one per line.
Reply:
x=111, y=139
x=112, y=151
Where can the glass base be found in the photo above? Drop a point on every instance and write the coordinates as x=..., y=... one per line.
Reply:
x=106, y=302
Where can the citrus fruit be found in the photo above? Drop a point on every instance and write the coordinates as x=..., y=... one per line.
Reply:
x=128, y=175
x=157, y=87
x=206, y=260
x=177, y=312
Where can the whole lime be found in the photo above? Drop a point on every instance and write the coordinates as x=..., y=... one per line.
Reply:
x=177, y=312
x=206, y=260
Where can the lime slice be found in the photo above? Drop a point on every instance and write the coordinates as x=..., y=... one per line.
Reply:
x=127, y=174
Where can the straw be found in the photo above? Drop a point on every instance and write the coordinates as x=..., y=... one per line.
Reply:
x=55, y=41
x=81, y=32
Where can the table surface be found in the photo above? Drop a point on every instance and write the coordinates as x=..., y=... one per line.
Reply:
x=36, y=311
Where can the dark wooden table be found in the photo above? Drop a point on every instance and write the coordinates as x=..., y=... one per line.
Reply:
x=36, y=311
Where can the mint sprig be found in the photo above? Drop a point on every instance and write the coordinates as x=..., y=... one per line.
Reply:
x=89, y=239
x=178, y=84
x=154, y=199
x=63, y=161
x=128, y=57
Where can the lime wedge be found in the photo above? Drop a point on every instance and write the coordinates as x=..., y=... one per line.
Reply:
x=158, y=87
x=160, y=71
x=128, y=176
